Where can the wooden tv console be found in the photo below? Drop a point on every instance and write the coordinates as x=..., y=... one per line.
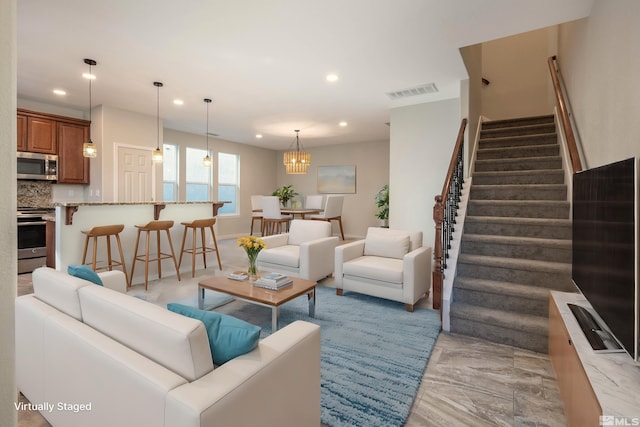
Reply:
x=592, y=384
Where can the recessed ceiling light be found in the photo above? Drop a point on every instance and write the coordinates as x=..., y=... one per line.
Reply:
x=59, y=92
x=332, y=77
x=178, y=102
x=259, y=135
x=343, y=124
x=89, y=76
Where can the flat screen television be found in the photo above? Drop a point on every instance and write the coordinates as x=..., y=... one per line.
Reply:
x=605, y=248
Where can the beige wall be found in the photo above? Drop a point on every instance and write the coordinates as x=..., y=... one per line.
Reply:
x=257, y=175
x=599, y=60
x=472, y=57
x=29, y=104
x=422, y=139
x=371, y=160
x=126, y=128
x=517, y=68
x=8, y=261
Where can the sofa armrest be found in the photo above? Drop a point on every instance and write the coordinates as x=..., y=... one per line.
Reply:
x=316, y=258
x=279, y=381
x=344, y=253
x=114, y=279
x=276, y=240
x=417, y=274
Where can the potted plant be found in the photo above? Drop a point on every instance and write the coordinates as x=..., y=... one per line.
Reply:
x=382, y=202
x=285, y=193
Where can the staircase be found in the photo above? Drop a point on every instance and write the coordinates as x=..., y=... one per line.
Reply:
x=516, y=242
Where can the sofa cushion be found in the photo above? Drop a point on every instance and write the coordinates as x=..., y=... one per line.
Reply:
x=84, y=272
x=386, y=243
x=302, y=231
x=375, y=268
x=176, y=342
x=288, y=255
x=415, y=238
x=59, y=290
x=229, y=337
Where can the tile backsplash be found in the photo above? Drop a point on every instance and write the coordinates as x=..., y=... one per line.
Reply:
x=34, y=194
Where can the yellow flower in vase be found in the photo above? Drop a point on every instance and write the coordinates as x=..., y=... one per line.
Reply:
x=252, y=246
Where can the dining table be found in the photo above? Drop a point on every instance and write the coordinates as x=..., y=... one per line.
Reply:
x=301, y=212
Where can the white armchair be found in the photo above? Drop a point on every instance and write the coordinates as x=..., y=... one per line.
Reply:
x=390, y=264
x=306, y=251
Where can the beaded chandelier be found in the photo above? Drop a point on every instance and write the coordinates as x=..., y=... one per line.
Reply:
x=296, y=161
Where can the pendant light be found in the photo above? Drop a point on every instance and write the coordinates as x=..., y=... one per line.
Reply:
x=89, y=148
x=206, y=162
x=157, y=153
x=295, y=161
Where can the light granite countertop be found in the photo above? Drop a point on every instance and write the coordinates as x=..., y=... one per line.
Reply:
x=72, y=207
x=73, y=204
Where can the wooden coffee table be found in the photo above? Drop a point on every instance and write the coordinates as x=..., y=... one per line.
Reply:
x=246, y=291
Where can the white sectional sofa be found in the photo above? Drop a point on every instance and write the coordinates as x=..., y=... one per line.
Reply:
x=90, y=356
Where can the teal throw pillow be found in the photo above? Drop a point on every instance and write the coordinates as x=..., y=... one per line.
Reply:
x=228, y=337
x=84, y=272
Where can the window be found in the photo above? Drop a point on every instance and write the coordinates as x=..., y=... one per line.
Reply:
x=170, y=173
x=198, y=177
x=228, y=180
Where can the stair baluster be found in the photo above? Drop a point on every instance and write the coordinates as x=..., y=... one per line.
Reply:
x=444, y=214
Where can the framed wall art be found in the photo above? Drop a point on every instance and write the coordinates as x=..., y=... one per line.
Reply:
x=337, y=179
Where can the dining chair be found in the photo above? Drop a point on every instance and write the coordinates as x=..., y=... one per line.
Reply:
x=332, y=211
x=272, y=218
x=256, y=211
x=313, y=201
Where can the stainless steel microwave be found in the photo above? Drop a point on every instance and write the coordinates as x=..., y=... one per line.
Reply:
x=37, y=166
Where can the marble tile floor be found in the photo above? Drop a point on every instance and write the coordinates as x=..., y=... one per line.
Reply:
x=468, y=382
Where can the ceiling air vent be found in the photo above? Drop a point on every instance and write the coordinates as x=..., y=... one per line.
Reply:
x=413, y=91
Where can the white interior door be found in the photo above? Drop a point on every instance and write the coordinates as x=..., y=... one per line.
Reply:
x=135, y=175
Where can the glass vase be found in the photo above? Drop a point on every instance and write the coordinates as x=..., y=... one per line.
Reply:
x=253, y=269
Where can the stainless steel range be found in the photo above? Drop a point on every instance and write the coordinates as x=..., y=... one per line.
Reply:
x=32, y=239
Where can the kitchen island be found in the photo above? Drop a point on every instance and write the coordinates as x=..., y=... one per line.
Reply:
x=71, y=218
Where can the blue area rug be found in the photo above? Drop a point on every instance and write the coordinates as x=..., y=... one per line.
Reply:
x=373, y=353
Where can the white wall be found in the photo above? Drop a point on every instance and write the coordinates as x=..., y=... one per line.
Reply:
x=517, y=68
x=8, y=261
x=371, y=160
x=422, y=140
x=599, y=59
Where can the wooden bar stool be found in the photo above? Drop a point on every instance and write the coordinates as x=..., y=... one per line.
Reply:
x=104, y=231
x=199, y=224
x=156, y=226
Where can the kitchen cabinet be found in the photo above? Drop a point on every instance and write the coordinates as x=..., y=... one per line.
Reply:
x=73, y=167
x=22, y=132
x=51, y=243
x=52, y=134
x=37, y=135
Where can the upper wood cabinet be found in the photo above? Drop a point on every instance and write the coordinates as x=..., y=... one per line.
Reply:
x=38, y=135
x=51, y=134
x=22, y=132
x=73, y=167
